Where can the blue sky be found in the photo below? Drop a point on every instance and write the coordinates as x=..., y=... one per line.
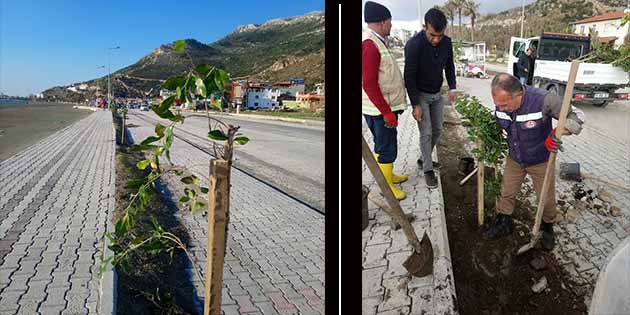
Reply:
x=52, y=42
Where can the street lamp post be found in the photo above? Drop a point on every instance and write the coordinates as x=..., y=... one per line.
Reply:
x=109, y=84
x=97, y=87
x=522, y=16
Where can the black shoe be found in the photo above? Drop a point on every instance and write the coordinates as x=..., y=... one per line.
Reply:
x=436, y=165
x=548, y=238
x=502, y=226
x=430, y=179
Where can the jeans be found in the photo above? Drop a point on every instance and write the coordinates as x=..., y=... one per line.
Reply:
x=430, y=126
x=523, y=80
x=385, y=139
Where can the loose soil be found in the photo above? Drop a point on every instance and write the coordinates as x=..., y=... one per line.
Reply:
x=489, y=278
x=154, y=285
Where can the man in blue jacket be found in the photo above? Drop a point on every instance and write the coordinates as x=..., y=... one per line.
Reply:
x=525, y=114
x=428, y=55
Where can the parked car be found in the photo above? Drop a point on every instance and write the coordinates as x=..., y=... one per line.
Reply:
x=144, y=108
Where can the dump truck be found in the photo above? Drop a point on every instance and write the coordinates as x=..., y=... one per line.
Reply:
x=596, y=83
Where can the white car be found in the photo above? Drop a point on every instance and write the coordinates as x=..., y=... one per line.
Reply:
x=144, y=108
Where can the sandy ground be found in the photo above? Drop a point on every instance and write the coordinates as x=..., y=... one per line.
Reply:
x=24, y=125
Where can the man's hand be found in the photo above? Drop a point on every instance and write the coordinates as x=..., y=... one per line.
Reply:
x=525, y=70
x=417, y=113
x=390, y=120
x=552, y=143
x=452, y=95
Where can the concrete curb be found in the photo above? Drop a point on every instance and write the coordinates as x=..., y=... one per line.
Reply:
x=108, y=282
x=94, y=109
x=445, y=295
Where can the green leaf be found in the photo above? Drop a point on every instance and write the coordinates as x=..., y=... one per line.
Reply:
x=137, y=148
x=136, y=183
x=149, y=139
x=168, y=142
x=190, y=193
x=217, y=135
x=174, y=82
x=179, y=45
x=165, y=105
x=192, y=179
x=143, y=164
x=241, y=140
x=201, y=87
x=204, y=190
x=159, y=130
x=203, y=69
x=220, y=79
x=184, y=199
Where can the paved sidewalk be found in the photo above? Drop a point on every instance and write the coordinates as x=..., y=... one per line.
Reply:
x=274, y=261
x=387, y=288
x=55, y=199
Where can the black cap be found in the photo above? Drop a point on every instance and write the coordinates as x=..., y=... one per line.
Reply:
x=375, y=12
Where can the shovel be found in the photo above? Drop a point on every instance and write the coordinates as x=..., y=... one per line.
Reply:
x=566, y=103
x=420, y=263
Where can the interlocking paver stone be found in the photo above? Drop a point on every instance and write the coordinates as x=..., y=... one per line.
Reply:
x=386, y=289
x=46, y=209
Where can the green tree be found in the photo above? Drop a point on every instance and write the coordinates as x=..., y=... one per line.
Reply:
x=471, y=8
x=199, y=83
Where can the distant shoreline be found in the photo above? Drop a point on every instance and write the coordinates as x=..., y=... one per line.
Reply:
x=13, y=102
x=24, y=124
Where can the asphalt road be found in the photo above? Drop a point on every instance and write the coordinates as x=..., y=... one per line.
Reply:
x=612, y=121
x=287, y=155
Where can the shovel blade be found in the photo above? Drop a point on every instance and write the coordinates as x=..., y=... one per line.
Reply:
x=529, y=245
x=420, y=263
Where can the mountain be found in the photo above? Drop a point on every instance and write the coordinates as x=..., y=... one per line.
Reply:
x=274, y=51
x=540, y=16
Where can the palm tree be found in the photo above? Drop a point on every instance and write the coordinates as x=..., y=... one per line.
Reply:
x=449, y=11
x=471, y=8
x=458, y=5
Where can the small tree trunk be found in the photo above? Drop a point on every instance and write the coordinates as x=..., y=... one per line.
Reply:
x=218, y=205
x=480, y=200
x=122, y=131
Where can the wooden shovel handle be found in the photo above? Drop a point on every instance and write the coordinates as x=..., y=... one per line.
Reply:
x=394, y=206
x=566, y=104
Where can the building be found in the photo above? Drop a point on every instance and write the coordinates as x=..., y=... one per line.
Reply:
x=608, y=27
x=291, y=87
x=234, y=93
x=313, y=100
x=261, y=96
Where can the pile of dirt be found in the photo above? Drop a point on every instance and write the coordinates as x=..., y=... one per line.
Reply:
x=154, y=284
x=489, y=277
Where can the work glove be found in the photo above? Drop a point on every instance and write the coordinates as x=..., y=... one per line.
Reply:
x=552, y=143
x=390, y=120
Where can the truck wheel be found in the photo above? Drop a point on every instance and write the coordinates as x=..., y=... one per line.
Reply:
x=601, y=104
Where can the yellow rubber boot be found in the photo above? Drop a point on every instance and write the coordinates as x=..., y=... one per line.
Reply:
x=387, y=171
x=396, y=179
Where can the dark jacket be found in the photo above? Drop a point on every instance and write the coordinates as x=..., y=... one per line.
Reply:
x=524, y=62
x=527, y=128
x=425, y=65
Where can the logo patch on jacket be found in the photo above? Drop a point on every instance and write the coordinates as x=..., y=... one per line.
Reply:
x=530, y=124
